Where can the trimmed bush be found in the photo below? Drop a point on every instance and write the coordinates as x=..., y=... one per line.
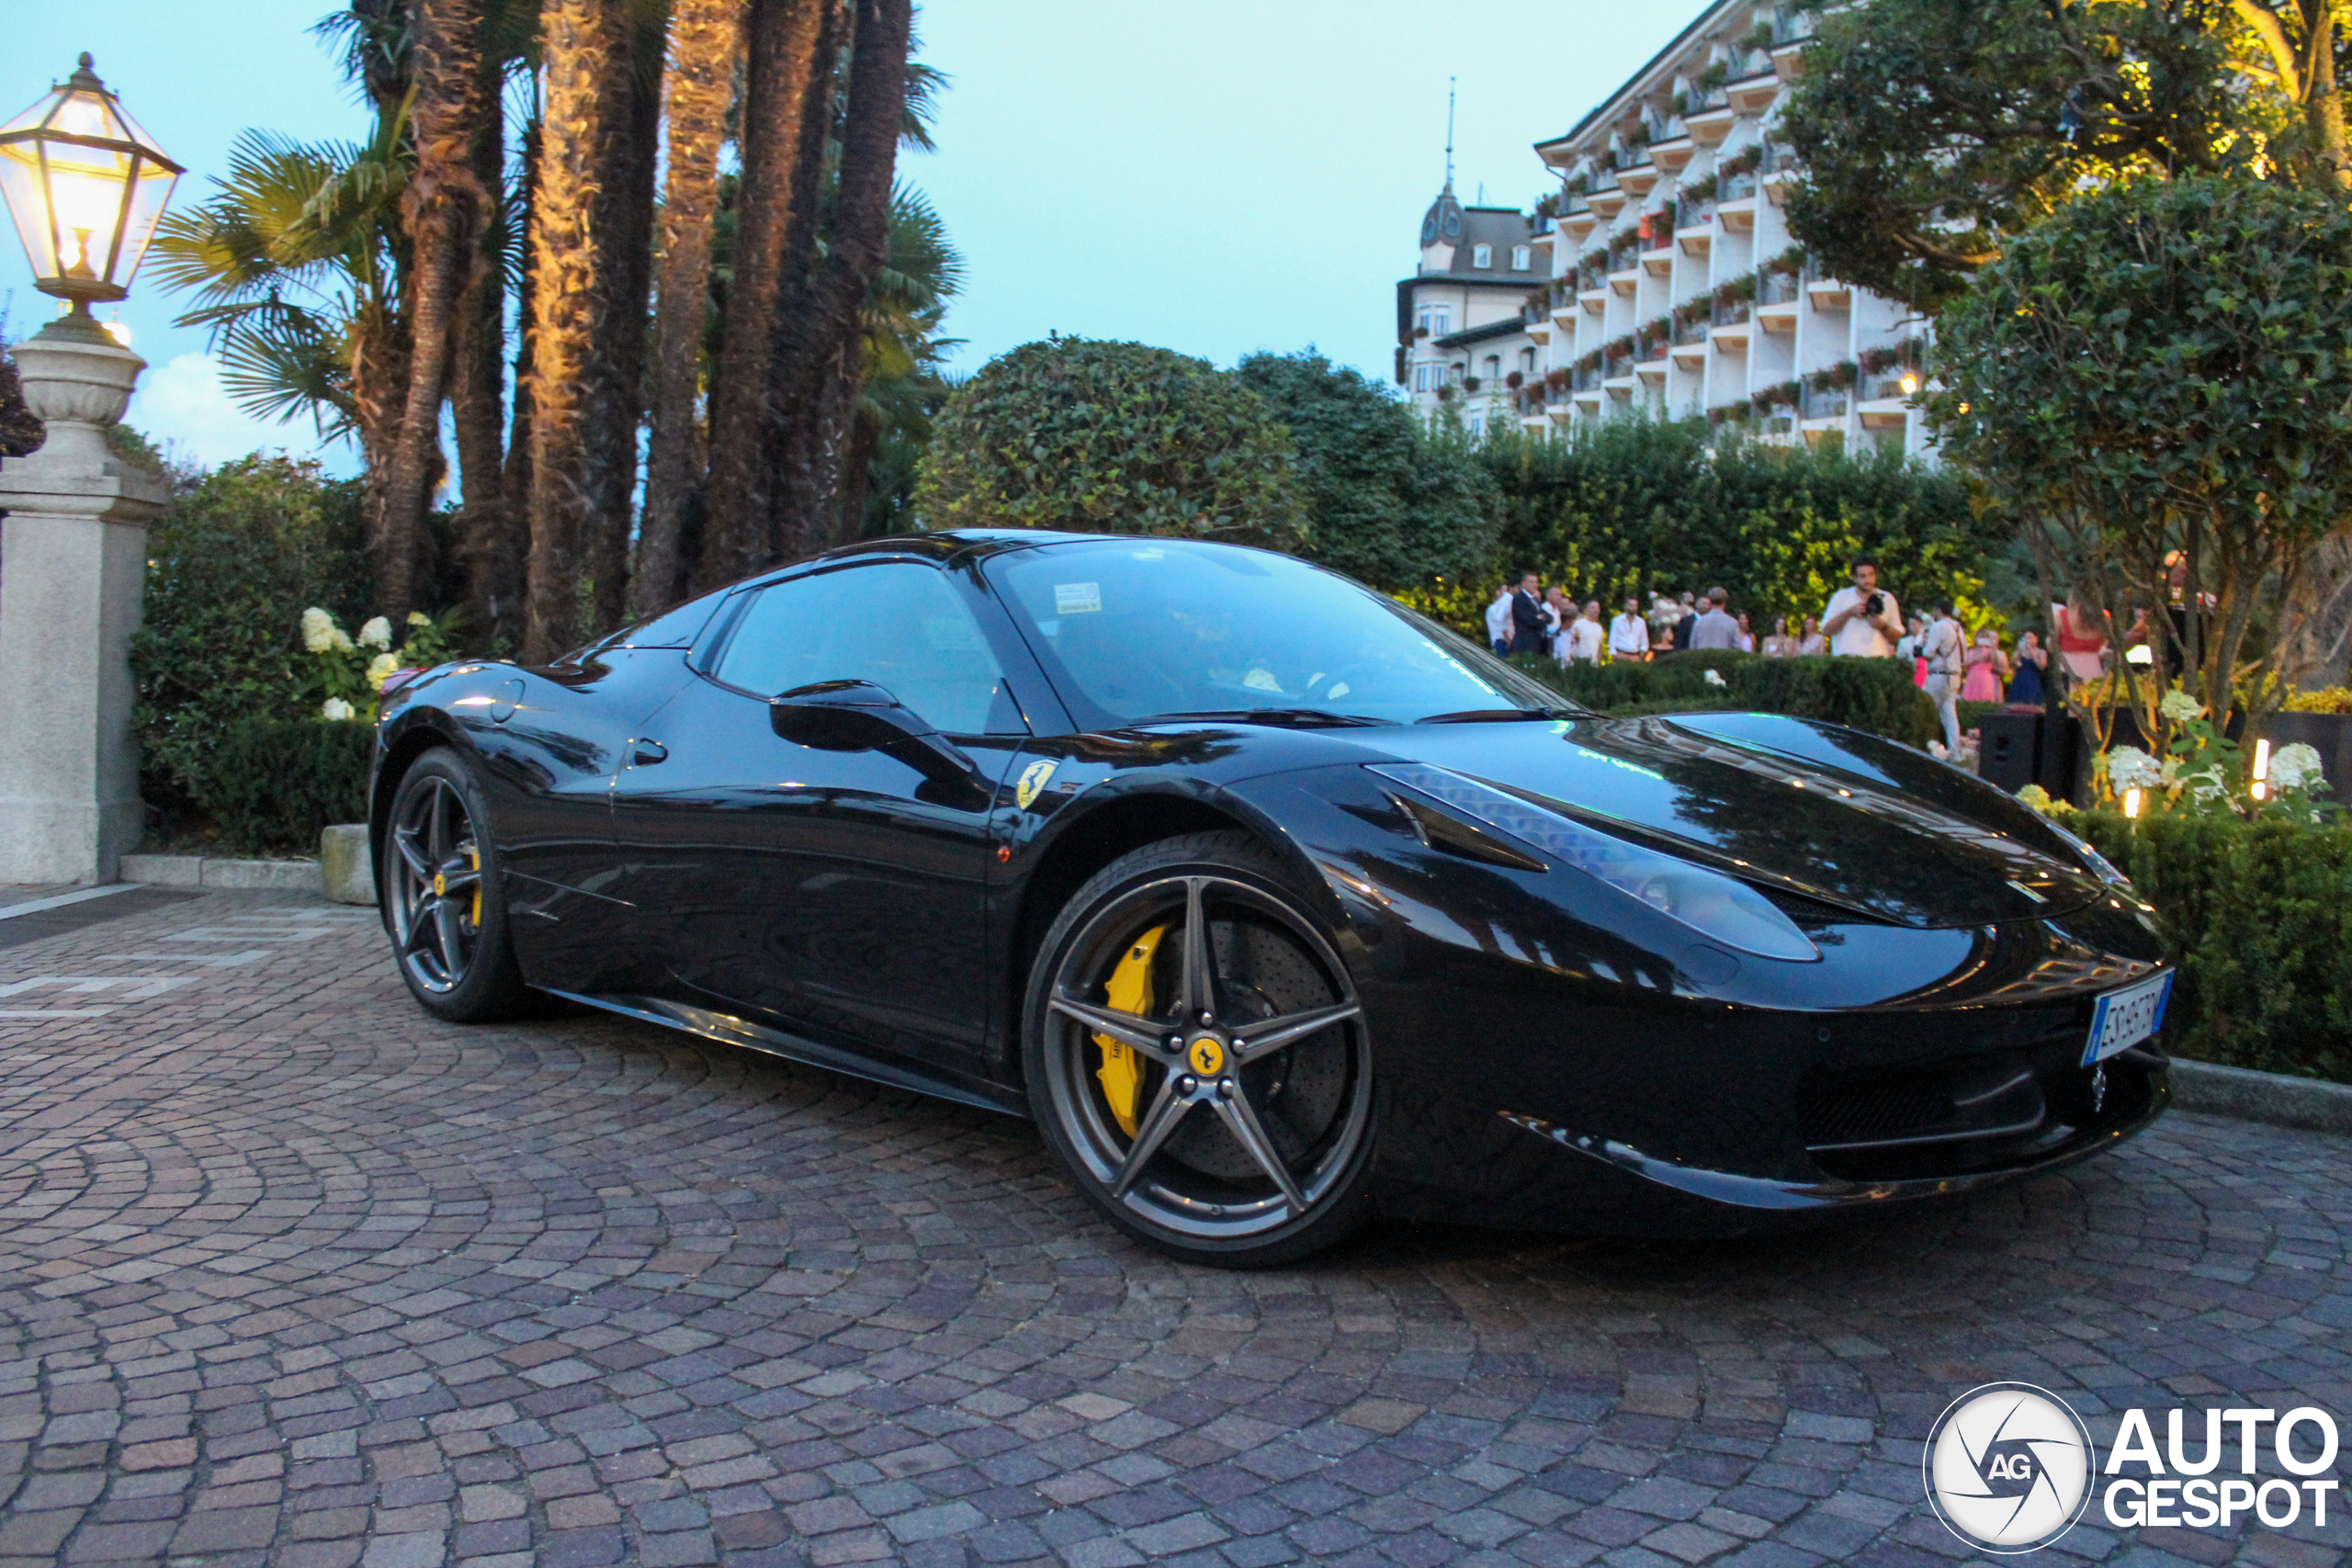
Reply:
x=230, y=571
x=273, y=783
x=1872, y=694
x=2259, y=918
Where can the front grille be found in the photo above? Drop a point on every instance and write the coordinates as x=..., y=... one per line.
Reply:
x=1869, y=1111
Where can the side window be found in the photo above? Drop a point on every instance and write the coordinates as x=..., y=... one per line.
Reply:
x=896, y=624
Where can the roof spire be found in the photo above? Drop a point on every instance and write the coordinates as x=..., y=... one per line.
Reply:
x=1449, y=132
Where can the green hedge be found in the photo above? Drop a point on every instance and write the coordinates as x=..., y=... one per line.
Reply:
x=272, y=783
x=2259, y=916
x=1874, y=695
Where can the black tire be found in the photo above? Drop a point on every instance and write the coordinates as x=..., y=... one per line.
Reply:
x=1242, y=1139
x=443, y=901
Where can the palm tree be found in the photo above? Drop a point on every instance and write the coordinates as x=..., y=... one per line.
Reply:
x=790, y=47
x=901, y=386
x=444, y=207
x=814, y=379
x=588, y=61
x=706, y=37
x=297, y=263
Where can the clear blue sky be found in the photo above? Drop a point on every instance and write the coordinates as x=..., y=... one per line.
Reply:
x=1212, y=176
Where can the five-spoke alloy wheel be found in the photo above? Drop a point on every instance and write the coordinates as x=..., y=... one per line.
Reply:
x=1199, y=1058
x=440, y=898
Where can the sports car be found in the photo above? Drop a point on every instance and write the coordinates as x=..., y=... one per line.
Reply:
x=1273, y=904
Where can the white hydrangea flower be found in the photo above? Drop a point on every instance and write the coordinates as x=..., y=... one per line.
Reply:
x=2179, y=705
x=2296, y=767
x=2128, y=768
x=376, y=633
x=318, y=631
x=1715, y=678
x=379, y=667
x=419, y=619
x=338, y=709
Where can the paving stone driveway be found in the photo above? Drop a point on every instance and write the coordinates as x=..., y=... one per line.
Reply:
x=291, y=1273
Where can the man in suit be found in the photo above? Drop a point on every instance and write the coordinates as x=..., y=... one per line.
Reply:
x=1530, y=632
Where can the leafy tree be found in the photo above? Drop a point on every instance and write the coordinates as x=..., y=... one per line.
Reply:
x=1632, y=506
x=1113, y=437
x=1932, y=130
x=1391, y=502
x=2162, y=367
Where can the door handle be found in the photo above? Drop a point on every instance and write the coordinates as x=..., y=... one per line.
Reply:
x=645, y=753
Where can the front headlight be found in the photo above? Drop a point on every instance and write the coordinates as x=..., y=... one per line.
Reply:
x=1721, y=908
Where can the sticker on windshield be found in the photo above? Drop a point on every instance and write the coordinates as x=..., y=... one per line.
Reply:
x=1077, y=598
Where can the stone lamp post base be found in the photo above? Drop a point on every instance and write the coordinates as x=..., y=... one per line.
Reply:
x=73, y=567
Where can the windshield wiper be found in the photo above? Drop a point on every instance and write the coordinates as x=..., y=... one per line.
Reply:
x=1302, y=719
x=1491, y=716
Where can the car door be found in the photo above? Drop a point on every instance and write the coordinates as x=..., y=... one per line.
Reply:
x=840, y=892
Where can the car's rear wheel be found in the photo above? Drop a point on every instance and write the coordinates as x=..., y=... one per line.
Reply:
x=442, y=901
x=1198, y=1059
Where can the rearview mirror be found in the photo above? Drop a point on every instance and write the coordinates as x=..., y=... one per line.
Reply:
x=858, y=716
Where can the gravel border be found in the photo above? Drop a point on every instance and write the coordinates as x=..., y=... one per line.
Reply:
x=2282, y=1102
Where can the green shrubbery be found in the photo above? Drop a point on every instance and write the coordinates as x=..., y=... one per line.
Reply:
x=1872, y=694
x=2259, y=914
x=221, y=669
x=1631, y=506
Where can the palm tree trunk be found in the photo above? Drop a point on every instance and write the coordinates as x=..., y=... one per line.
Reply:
x=443, y=207
x=587, y=45
x=814, y=379
x=514, y=489
x=491, y=553
x=787, y=105
x=624, y=234
x=706, y=36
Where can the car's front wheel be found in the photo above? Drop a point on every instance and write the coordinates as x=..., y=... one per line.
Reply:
x=1198, y=1059
x=441, y=896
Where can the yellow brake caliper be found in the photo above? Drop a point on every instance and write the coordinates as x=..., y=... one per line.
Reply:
x=1129, y=990
x=473, y=858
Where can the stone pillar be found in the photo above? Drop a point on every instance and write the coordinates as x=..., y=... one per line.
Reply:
x=73, y=567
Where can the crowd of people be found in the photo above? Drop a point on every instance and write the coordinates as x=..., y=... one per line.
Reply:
x=1861, y=620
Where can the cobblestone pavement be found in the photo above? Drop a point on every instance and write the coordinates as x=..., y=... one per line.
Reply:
x=291, y=1273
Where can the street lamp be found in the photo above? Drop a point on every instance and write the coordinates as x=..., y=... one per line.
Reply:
x=85, y=186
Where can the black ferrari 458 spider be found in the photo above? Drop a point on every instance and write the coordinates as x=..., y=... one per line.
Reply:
x=1273, y=903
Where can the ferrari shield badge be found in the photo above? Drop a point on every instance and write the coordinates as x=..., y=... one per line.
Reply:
x=1032, y=781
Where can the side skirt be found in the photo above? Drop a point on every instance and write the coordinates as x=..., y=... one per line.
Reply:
x=731, y=1030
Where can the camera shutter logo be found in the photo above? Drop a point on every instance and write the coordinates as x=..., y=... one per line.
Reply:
x=2008, y=1467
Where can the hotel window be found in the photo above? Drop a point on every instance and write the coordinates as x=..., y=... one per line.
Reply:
x=1482, y=255
x=1519, y=255
x=1438, y=320
x=1422, y=378
x=1477, y=422
x=1494, y=371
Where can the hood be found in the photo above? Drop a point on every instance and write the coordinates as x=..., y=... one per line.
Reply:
x=1825, y=813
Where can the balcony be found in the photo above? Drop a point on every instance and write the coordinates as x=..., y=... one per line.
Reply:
x=1688, y=349
x=1584, y=379
x=1886, y=401
x=1777, y=287
x=1825, y=292
x=1778, y=172
x=1707, y=115
x=1694, y=226
x=1616, y=367
x=1828, y=403
x=1728, y=326
x=1594, y=301
x=1689, y=329
x=1737, y=186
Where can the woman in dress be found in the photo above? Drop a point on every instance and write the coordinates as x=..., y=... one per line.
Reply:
x=1779, y=644
x=2025, y=686
x=1987, y=667
x=1747, y=635
x=1812, y=641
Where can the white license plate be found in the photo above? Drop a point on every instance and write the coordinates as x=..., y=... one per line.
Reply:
x=2124, y=1018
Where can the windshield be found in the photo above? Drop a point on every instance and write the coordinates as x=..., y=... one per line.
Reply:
x=1137, y=629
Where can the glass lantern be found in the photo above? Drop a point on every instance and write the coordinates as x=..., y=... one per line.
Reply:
x=86, y=188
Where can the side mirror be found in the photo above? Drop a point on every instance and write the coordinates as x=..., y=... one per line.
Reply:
x=858, y=716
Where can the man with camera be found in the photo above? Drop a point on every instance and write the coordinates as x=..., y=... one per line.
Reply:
x=1863, y=621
